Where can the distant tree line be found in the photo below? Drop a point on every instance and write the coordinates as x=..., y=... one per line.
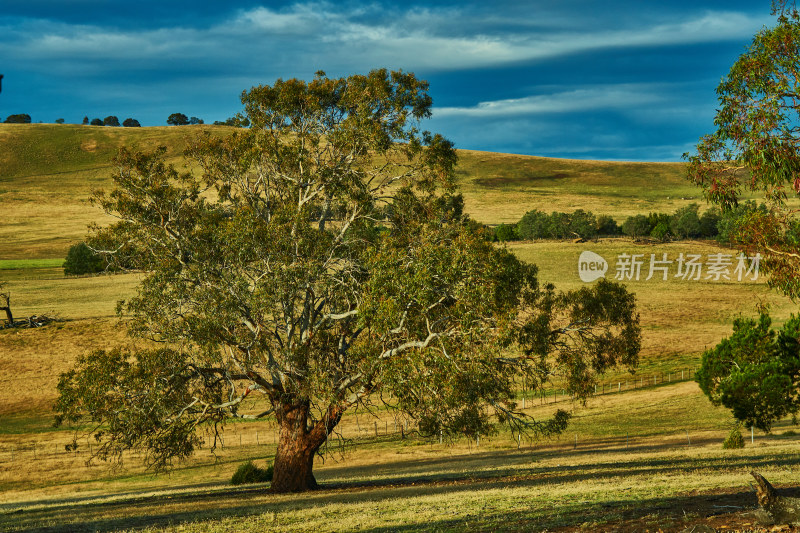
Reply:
x=685, y=223
x=112, y=120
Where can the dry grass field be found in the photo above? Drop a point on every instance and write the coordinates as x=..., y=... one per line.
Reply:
x=646, y=455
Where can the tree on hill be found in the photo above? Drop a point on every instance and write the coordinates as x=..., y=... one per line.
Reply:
x=757, y=146
x=111, y=120
x=195, y=120
x=96, y=122
x=275, y=290
x=177, y=119
x=60, y=121
x=131, y=123
x=755, y=372
x=85, y=121
x=22, y=118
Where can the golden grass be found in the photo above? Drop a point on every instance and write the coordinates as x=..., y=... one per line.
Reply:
x=652, y=476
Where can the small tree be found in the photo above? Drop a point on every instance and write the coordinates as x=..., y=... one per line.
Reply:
x=636, y=226
x=111, y=120
x=534, y=224
x=83, y=260
x=22, y=118
x=85, y=121
x=194, y=120
x=59, y=121
x=267, y=293
x=606, y=225
x=685, y=222
x=755, y=372
x=177, y=119
x=96, y=122
x=131, y=123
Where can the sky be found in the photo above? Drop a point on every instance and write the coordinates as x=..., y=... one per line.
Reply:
x=580, y=79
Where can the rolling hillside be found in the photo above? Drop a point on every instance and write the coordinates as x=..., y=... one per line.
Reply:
x=47, y=173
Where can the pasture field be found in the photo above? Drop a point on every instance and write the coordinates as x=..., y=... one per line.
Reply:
x=645, y=455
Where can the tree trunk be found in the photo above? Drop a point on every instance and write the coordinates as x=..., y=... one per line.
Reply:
x=7, y=308
x=775, y=509
x=297, y=445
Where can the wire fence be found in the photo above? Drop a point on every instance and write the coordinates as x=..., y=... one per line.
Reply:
x=49, y=446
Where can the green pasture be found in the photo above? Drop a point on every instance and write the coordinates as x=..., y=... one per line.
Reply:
x=645, y=455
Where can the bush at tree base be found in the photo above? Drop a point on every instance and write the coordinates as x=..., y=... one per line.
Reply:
x=250, y=473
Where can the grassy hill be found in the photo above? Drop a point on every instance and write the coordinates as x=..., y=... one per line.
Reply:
x=47, y=173
x=635, y=458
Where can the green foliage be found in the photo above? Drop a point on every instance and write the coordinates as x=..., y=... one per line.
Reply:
x=250, y=473
x=685, y=223
x=111, y=120
x=661, y=232
x=709, y=222
x=131, y=123
x=60, y=121
x=96, y=122
x=606, y=225
x=636, y=226
x=195, y=120
x=734, y=440
x=22, y=118
x=755, y=372
x=270, y=272
x=506, y=232
x=534, y=225
x=85, y=121
x=177, y=119
x=82, y=260
x=756, y=146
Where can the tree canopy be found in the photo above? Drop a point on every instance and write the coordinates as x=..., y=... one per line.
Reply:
x=755, y=372
x=757, y=147
x=321, y=260
x=177, y=119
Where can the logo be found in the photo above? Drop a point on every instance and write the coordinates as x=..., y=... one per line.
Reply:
x=591, y=266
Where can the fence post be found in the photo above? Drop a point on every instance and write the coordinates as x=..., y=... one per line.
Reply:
x=687, y=437
x=752, y=436
x=376, y=429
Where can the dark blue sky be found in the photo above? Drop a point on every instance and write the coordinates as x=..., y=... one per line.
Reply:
x=584, y=79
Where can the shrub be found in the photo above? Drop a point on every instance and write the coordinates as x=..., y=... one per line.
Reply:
x=96, y=122
x=534, y=225
x=636, y=226
x=111, y=120
x=250, y=473
x=82, y=260
x=506, y=232
x=131, y=123
x=734, y=440
x=606, y=225
x=686, y=222
x=661, y=232
x=582, y=224
x=708, y=222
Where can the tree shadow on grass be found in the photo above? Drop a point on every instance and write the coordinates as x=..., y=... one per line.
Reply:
x=408, y=479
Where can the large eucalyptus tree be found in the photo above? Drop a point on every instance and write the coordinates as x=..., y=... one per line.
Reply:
x=318, y=260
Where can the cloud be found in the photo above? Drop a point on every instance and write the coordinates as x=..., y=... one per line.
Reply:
x=592, y=98
x=311, y=35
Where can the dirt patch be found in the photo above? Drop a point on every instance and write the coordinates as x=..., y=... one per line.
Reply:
x=89, y=145
x=504, y=181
